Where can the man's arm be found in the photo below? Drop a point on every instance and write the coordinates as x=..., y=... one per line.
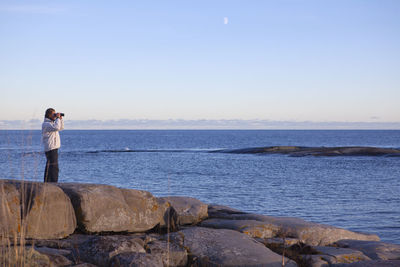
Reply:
x=58, y=125
x=62, y=123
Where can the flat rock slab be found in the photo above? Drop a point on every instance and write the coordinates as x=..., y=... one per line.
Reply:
x=85, y=264
x=252, y=228
x=133, y=259
x=219, y=211
x=100, y=250
x=46, y=211
x=71, y=242
x=334, y=255
x=373, y=263
x=189, y=210
x=105, y=208
x=307, y=232
x=170, y=253
x=224, y=247
x=58, y=257
x=373, y=249
x=282, y=245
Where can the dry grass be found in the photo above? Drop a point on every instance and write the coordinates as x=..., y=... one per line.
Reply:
x=14, y=250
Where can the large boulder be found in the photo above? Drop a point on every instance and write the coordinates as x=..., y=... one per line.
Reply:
x=105, y=208
x=310, y=233
x=373, y=249
x=224, y=247
x=46, y=211
x=189, y=210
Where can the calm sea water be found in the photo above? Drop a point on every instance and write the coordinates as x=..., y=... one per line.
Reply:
x=357, y=193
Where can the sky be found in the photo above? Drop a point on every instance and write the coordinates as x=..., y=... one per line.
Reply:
x=288, y=61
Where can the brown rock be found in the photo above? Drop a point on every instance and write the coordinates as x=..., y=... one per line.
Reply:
x=46, y=211
x=105, y=208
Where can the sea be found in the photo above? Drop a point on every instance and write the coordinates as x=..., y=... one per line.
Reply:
x=359, y=193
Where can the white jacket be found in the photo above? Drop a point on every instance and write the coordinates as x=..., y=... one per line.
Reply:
x=50, y=135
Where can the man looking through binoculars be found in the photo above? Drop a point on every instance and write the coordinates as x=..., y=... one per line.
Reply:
x=52, y=124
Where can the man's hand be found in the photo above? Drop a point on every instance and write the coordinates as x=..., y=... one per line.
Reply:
x=58, y=115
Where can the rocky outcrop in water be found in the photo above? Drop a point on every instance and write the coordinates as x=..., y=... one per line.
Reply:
x=102, y=225
x=301, y=151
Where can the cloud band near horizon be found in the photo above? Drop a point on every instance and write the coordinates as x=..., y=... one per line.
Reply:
x=143, y=124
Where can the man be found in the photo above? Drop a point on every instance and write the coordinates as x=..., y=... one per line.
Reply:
x=53, y=123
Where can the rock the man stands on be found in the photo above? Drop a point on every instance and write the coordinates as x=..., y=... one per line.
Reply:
x=52, y=124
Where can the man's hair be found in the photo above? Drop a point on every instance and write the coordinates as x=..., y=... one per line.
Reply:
x=48, y=112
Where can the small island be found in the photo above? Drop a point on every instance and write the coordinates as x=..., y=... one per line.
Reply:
x=301, y=151
x=72, y=224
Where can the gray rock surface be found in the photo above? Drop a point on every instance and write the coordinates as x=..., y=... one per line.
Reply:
x=224, y=247
x=334, y=255
x=221, y=211
x=252, y=228
x=374, y=250
x=57, y=257
x=307, y=232
x=189, y=210
x=105, y=208
x=314, y=261
x=133, y=259
x=46, y=212
x=373, y=263
x=282, y=246
x=85, y=264
x=100, y=250
x=170, y=253
x=69, y=243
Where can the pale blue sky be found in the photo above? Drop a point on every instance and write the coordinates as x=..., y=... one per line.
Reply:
x=274, y=60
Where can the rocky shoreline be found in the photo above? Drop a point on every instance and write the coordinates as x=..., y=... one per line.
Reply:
x=71, y=224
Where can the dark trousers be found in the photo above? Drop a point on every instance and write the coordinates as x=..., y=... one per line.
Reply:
x=51, y=171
